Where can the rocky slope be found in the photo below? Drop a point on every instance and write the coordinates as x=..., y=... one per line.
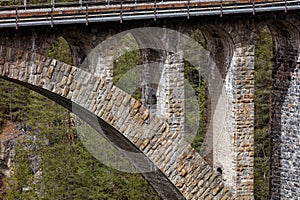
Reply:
x=10, y=135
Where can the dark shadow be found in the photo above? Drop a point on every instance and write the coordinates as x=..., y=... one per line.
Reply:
x=220, y=46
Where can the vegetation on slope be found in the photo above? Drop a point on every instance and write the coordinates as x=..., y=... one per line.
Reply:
x=262, y=119
x=191, y=74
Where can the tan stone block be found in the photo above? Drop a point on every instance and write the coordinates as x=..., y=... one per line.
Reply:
x=217, y=189
x=66, y=91
x=50, y=71
x=183, y=172
x=63, y=81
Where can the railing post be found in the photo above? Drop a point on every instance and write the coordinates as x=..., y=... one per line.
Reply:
x=87, y=14
x=17, y=26
x=155, y=10
x=188, y=10
x=221, y=9
x=253, y=6
x=121, y=13
x=51, y=16
x=80, y=3
x=285, y=6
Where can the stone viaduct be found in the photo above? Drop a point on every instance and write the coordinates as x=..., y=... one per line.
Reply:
x=153, y=140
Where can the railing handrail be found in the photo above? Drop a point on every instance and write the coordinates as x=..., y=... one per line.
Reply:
x=85, y=12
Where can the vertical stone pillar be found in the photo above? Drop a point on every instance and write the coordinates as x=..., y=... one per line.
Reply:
x=170, y=92
x=285, y=131
x=151, y=71
x=232, y=107
x=219, y=135
x=239, y=87
x=163, y=89
x=243, y=111
x=99, y=61
x=162, y=75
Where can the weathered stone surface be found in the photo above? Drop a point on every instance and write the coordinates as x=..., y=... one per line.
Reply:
x=285, y=129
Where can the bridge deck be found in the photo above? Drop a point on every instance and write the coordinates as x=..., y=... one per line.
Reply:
x=87, y=12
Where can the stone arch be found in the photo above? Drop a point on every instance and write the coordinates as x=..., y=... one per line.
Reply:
x=220, y=45
x=83, y=40
x=165, y=44
x=170, y=164
x=195, y=55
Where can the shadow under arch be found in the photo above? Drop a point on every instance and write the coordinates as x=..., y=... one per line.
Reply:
x=219, y=45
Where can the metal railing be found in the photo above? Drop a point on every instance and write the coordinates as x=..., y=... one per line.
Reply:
x=89, y=12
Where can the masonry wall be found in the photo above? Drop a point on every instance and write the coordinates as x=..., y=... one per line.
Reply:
x=232, y=119
x=286, y=173
x=285, y=134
